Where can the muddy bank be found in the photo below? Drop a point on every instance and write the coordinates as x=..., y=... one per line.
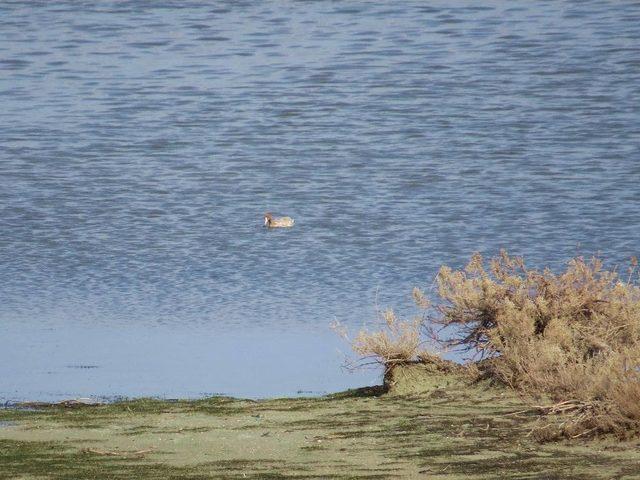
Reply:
x=427, y=426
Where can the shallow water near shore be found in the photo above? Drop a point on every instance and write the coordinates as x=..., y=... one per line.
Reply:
x=107, y=364
x=143, y=141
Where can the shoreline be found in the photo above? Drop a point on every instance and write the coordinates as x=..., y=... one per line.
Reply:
x=427, y=425
x=128, y=363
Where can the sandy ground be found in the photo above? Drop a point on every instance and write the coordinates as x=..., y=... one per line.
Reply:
x=429, y=426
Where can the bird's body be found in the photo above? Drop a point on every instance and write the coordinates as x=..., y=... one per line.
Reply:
x=277, y=222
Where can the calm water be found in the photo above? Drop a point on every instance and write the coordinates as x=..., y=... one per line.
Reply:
x=141, y=142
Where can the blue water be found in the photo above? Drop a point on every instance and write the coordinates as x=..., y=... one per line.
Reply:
x=141, y=142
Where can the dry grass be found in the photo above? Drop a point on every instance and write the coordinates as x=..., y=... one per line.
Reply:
x=397, y=342
x=572, y=338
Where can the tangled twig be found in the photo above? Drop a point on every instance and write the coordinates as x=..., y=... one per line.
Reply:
x=115, y=453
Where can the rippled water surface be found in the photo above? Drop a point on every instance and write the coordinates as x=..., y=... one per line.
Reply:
x=141, y=142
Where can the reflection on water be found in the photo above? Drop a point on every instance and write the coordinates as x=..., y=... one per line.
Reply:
x=143, y=141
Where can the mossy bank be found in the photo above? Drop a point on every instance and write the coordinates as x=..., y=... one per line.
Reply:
x=429, y=425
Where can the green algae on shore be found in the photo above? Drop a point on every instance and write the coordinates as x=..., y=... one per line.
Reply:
x=439, y=427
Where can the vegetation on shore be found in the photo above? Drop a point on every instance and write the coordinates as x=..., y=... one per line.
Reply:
x=430, y=424
x=571, y=340
x=558, y=358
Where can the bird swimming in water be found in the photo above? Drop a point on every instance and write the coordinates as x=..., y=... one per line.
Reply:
x=277, y=222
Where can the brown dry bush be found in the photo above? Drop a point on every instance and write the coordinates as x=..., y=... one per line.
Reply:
x=397, y=342
x=573, y=337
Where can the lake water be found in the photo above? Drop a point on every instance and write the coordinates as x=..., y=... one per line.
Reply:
x=141, y=142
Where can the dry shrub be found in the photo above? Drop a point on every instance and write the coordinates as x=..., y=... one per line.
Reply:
x=573, y=337
x=397, y=342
